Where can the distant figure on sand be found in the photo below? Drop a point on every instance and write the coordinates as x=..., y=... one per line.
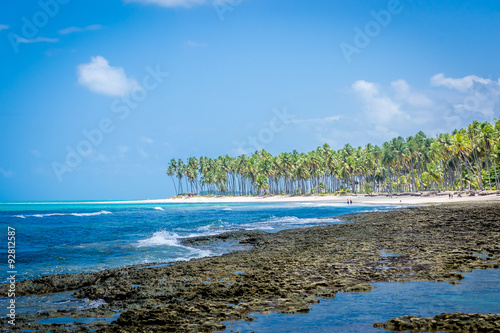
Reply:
x=350, y=201
x=347, y=201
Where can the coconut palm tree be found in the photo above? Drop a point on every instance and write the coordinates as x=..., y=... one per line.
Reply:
x=172, y=171
x=466, y=157
x=261, y=183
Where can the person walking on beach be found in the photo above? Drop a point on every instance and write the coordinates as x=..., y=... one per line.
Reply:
x=350, y=201
x=347, y=201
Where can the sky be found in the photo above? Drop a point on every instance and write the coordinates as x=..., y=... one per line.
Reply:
x=96, y=97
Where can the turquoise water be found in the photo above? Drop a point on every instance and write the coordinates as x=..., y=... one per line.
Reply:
x=71, y=237
x=479, y=292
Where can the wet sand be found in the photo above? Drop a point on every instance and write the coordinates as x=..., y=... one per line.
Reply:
x=283, y=272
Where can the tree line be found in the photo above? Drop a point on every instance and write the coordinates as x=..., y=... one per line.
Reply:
x=465, y=159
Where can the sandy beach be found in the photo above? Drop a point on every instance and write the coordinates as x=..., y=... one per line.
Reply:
x=424, y=199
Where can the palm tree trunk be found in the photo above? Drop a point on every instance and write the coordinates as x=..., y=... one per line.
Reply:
x=175, y=187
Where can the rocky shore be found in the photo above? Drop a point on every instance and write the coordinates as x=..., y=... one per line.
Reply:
x=284, y=272
x=450, y=322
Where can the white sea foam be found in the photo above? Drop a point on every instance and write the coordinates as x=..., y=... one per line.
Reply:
x=64, y=214
x=227, y=209
x=46, y=215
x=159, y=238
x=286, y=220
x=97, y=303
x=91, y=214
x=158, y=208
x=204, y=228
x=201, y=253
x=212, y=232
x=259, y=228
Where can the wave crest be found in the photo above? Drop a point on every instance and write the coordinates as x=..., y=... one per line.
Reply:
x=91, y=214
x=159, y=238
x=64, y=214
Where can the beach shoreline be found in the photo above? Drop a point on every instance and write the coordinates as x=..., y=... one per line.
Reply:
x=424, y=198
x=356, y=199
x=380, y=199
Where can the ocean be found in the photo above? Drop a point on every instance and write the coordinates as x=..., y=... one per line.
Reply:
x=72, y=237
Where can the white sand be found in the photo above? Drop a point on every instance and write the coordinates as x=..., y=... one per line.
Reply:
x=361, y=199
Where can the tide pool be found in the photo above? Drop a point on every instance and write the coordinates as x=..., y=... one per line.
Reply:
x=356, y=312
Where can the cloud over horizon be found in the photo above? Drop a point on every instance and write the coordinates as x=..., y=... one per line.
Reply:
x=397, y=108
x=36, y=40
x=71, y=30
x=98, y=76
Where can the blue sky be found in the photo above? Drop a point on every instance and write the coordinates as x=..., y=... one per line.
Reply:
x=97, y=96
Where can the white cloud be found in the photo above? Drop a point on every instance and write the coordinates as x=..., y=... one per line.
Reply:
x=100, y=77
x=71, y=30
x=461, y=84
x=194, y=44
x=239, y=149
x=315, y=120
x=6, y=173
x=405, y=94
x=170, y=3
x=473, y=94
x=379, y=108
x=146, y=140
x=333, y=118
x=4, y=27
x=399, y=109
x=23, y=40
x=382, y=132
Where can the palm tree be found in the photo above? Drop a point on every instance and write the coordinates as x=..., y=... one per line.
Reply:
x=261, y=183
x=171, y=171
x=462, y=158
x=180, y=173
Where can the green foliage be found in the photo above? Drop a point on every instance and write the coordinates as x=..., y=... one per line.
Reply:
x=367, y=188
x=466, y=158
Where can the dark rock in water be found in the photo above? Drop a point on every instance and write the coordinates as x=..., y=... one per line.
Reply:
x=285, y=272
x=450, y=322
x=360, y=287
x=232, y=235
